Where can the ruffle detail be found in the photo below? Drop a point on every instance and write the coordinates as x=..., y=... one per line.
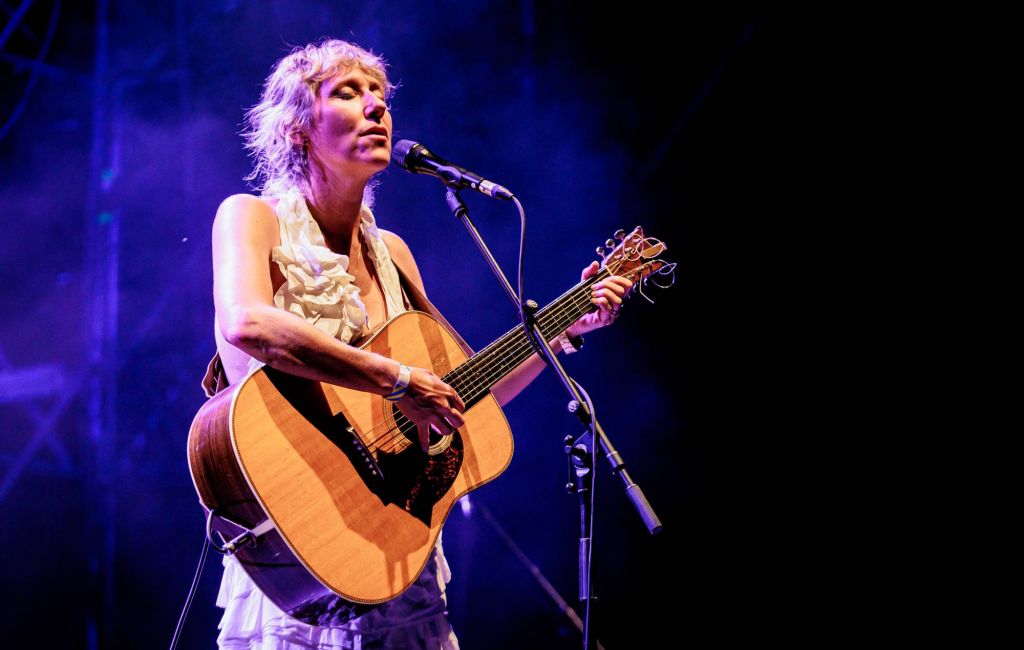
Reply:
x=416, y=619
x=318, y=286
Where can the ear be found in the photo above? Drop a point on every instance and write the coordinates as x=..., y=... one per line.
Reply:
x=297, y=137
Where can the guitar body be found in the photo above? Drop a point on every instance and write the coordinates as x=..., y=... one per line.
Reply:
x=346, y=505
x=356, y=505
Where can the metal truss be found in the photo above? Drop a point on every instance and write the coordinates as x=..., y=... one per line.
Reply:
x=46, y=391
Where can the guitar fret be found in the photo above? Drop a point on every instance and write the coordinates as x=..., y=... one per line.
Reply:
x=477, y=375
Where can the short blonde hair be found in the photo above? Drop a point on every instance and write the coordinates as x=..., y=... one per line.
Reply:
x=287, y=105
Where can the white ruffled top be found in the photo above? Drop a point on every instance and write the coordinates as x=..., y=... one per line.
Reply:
x=320, y=289
x=318, y=285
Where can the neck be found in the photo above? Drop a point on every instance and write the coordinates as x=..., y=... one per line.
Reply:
x=334, y=201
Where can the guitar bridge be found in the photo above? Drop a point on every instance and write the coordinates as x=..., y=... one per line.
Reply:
x=362, y=460
x=307, y=397
x=345, y=437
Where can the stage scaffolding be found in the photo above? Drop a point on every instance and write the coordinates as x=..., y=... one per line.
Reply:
x=46, y=391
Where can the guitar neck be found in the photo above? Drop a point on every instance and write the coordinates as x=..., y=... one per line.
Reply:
x=474, y=378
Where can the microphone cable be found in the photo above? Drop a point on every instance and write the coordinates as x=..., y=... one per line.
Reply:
x=191, y=592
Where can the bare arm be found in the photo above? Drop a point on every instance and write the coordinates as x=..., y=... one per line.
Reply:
x=514, y=382
x=244, y=234
x=607, y=295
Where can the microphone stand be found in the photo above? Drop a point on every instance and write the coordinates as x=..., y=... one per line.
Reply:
x=582, y=409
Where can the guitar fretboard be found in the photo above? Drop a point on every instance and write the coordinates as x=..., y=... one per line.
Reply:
x=477, y=375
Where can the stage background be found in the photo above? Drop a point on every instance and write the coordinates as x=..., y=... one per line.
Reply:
x=597, y=120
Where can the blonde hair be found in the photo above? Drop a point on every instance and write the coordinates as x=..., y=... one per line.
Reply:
x=287, y=105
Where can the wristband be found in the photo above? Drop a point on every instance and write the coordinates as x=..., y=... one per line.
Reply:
x=401, y=384
x=570, y=344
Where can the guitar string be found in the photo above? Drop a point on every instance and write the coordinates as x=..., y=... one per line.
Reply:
x=485, y=368
x=486, y=358
x=479, y=371
x=570, y=302
x=472, y=392
x=469, y=374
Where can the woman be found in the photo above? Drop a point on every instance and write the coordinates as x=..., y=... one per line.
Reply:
x=309, y=245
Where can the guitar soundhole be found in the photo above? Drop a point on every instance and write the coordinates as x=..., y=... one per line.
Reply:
x=416, y=480
x=438, y=442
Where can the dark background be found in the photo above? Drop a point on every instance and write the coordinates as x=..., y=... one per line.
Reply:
x=597, y=120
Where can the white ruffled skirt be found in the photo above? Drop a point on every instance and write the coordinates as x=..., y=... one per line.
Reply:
x=416, y=619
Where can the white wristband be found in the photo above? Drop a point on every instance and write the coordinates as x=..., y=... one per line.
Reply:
x=401, y=384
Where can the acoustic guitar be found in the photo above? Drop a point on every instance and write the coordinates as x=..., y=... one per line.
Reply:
x=341, y=505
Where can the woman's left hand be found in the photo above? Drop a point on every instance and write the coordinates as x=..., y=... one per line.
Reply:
x=607, y=295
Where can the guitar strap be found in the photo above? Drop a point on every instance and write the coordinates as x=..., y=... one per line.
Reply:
x=216, y=380
x=416, y=300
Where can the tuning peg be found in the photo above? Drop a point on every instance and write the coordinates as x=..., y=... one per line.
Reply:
x=600, y=251
x=620, y=234
x=609, y=244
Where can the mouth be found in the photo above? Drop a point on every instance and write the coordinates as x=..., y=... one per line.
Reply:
x=376, y=130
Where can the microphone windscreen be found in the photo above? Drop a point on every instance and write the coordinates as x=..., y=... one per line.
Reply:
x=401, y=150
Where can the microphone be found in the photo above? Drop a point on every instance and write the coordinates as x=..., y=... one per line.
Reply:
x=416, y=158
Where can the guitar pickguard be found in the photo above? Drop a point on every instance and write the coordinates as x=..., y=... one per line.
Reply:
x=416, y=481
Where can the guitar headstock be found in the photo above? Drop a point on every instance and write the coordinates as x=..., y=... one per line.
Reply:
x=635, y=256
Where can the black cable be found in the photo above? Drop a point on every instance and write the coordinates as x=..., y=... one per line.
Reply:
x=191, y=592
x=593, y=420
x=522, y=257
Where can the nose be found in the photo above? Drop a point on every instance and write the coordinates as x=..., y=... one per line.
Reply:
x=375, y=107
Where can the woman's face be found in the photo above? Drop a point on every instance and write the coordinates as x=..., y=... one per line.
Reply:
x=352, y=130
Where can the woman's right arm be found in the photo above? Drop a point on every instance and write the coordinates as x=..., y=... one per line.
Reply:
x=244, y=234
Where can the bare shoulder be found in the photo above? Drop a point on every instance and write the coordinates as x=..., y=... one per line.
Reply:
x=246, y=216
x=402, y=256
x=241, y=208
x=396, y=245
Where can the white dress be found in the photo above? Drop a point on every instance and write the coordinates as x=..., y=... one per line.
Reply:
x=319, y=288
